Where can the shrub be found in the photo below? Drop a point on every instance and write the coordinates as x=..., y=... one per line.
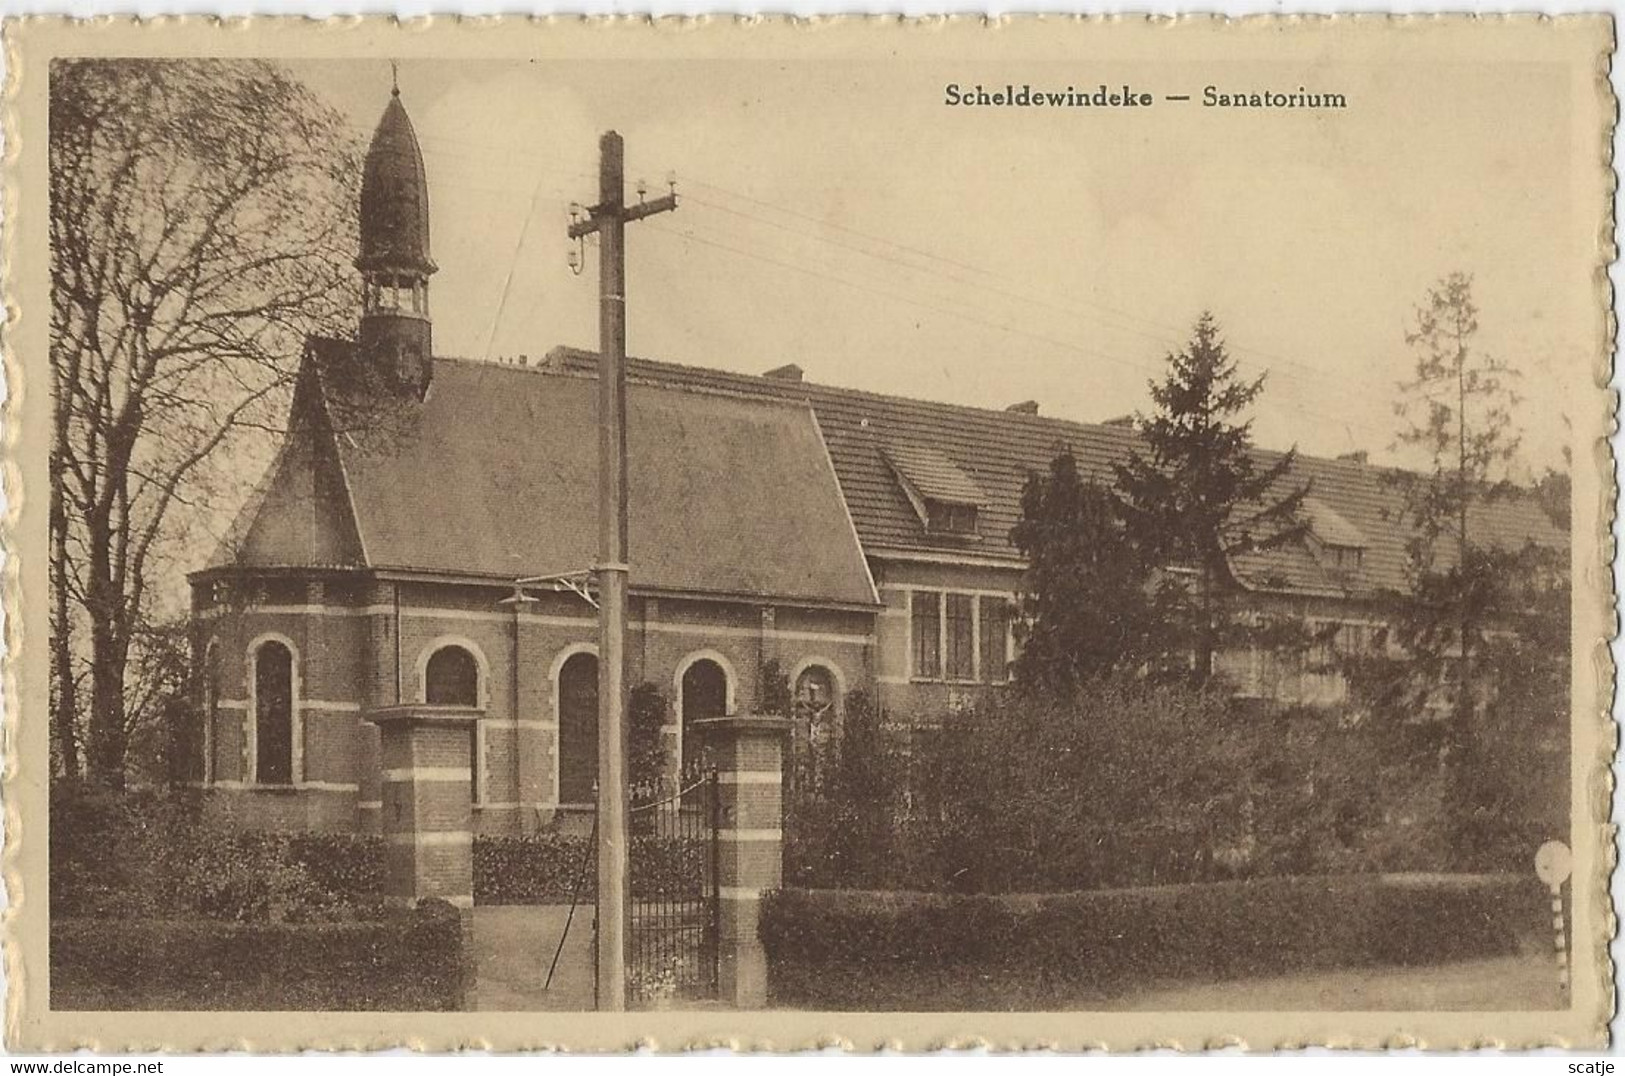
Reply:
x=1042, y=793
x=151, y=855
x=900, y=951
x=845, y=814
x=646, y=736
x=348, y=865
x=548, y=868
x=533, y=870
x=410, y=961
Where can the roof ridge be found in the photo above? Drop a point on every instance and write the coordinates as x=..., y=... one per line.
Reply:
x=546, y=369
x=1000, y=415
x=554, y=362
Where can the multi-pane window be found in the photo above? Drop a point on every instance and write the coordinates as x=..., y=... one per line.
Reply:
x=926, y=607
x=947, y=517
x=1358, y=639
x=995, y=631
x=1347, y=558
x=961, y=638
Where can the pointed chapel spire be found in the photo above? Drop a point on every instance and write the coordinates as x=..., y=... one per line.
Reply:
x=394, y=260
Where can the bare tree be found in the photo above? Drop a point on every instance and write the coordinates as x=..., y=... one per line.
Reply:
x=201, y=224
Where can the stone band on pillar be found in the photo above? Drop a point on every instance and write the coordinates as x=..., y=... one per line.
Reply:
x=427, y=810
x=748, y=753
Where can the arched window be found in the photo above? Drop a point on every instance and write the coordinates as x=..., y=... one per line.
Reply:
x=211, y=711
x=705, y=695
x=452, y=678
x=816, y=728
x=273, y=714
x=578, y=728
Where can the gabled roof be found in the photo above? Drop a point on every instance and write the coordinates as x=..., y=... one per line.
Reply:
x=494, y=474
x=751, y=486
x=298, y=516
x=997, y=450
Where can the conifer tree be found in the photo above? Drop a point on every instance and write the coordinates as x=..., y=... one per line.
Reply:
x=1086, y=601
x=1195, y=494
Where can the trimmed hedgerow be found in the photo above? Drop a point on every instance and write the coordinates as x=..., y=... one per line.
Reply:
x=841, y=949
x=348, y=865
x=531, y=870
x=144, y=855
x=409, y=961
x=545, y=868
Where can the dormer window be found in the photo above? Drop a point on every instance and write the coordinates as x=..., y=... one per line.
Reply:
x=1345, y=558
x=1336, y=543
x=945, y=498
x=946, y=517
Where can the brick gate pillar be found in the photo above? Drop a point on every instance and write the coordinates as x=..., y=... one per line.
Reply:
x=748, y=752
x=427, y=811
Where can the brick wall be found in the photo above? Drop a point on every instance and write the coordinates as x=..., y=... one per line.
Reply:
x=901, y=695
x=348, y=652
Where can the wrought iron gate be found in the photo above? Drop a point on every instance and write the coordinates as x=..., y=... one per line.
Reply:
x=672, y=951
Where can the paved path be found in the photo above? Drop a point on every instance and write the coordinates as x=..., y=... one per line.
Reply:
x=513, y=946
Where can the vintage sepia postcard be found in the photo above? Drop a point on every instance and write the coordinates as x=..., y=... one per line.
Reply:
x=1087, y=533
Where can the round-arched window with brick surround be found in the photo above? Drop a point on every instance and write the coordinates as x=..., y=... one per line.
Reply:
x=578, y=728
x=273, y=714
x=705, y=695
x=815, y=725
x=452, y=678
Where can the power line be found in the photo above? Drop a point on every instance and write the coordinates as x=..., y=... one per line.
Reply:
x=1312, y=375
x=981, y=288
x=513, y=265
x=987, y=272
x=1139, y=367
x=691, y=237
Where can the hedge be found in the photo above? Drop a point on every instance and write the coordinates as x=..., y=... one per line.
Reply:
x=408, y=962
x=140, y=855
x=844, y=949
x=545, y=867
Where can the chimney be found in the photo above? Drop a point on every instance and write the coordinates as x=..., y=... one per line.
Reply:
x=1362, y=456
x=788, y=372
x=1025, y=407
x=1120, y=420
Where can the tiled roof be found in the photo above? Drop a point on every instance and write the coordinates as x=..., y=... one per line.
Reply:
x=1327, y=524
x=494, y=474
x=997, y=450
x=932, y=474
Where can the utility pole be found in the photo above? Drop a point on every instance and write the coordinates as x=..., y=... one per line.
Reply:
x=609, y=219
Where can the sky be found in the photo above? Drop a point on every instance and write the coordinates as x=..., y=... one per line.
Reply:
x=838, y=215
